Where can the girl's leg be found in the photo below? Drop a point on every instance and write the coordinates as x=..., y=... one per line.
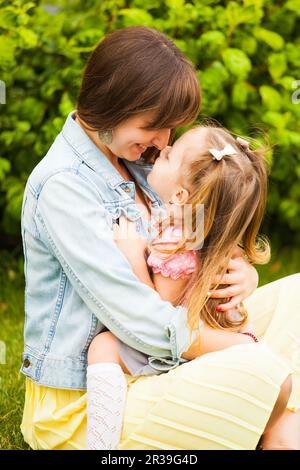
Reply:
x=106, y=393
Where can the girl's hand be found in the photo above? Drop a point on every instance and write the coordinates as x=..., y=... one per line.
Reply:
x=242, y=278
x=129, y=241
x=133, y=246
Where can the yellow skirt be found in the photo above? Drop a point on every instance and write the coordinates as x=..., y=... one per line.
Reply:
x=221, y=400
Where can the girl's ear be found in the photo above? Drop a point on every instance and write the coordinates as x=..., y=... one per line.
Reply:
x=180, y=197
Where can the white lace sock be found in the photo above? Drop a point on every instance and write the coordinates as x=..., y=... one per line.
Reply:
x=106, y=395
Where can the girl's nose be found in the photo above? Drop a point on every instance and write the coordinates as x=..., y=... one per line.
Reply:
x=161, y=140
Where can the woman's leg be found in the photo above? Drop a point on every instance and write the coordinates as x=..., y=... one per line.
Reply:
x=280, y=405
x=285, y=434
x=283, y=429
x=275, y=310
x=106, y=393
x=222, y=400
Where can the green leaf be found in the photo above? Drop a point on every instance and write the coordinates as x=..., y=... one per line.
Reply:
x=135, y=17
x=211, y=43
x=277, y=65
x=23, y=126
x=272, y=39
x=294, y=6
x=275, y=119
x=66, y=105
x=287, y=83
x=237, y=62
x=7, y=52
x=271, y=98
x=28, y=37
x=32, y=110
x=5, y=167
x=240, y=95
x=85, y=41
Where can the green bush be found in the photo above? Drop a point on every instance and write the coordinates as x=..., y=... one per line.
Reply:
x=247, y=54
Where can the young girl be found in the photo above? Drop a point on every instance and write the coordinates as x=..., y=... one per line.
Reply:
x=207, y=172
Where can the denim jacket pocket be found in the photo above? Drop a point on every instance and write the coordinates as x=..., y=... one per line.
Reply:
x=116, y=210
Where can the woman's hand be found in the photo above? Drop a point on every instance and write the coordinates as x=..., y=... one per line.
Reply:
x=242, y=278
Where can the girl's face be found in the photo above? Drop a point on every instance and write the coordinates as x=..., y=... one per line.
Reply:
x=167, y=175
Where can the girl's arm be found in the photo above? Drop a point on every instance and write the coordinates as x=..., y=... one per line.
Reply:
x=133, y=246
x=214, y=340
x=169, y=289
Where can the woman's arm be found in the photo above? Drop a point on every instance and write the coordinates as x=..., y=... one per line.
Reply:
x=242, y=280
x=74, y=226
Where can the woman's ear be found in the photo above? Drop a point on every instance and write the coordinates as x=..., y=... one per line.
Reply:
x=180, y=197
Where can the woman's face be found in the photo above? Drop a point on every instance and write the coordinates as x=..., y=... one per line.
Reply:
x=130, y=140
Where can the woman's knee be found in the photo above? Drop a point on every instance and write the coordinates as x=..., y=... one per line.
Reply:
x=285, y=391
x=103, y=348
x=281, y=402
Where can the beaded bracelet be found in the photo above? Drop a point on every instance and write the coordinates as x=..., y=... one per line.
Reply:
x=255, y=339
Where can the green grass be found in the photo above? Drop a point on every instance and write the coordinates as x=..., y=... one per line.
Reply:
x=11, y=334
x=284, y=262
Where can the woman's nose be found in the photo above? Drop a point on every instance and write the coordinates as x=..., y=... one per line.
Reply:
x=161, y=140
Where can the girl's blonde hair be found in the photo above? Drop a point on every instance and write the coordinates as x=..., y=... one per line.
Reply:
x=233, y=192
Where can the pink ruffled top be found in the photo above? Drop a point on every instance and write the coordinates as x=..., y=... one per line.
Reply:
x=175, y=266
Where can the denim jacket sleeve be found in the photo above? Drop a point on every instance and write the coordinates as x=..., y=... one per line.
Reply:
x=72, y=222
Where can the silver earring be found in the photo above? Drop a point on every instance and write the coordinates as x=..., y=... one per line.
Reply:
x=106, y=136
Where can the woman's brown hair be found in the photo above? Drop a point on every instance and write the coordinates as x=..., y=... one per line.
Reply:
x=136, y=70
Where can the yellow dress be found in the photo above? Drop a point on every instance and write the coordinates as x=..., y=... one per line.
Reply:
x=220, y=400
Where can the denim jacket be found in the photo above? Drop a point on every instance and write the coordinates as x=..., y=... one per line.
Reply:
x=78, y=283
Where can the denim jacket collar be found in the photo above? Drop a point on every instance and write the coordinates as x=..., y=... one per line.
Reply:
x=87, y=151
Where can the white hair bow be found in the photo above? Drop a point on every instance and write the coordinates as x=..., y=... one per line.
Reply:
x=219, y=154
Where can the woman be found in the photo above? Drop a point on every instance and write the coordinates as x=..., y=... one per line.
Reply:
x=137, y=88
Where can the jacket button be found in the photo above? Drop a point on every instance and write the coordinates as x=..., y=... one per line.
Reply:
x=26, y=363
